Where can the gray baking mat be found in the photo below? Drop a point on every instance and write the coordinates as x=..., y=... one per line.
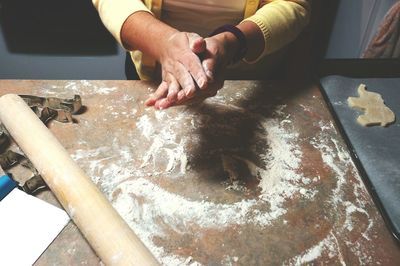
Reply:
x=376, y=150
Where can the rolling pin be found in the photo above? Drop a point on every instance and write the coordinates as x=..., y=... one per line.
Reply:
x=108, y=234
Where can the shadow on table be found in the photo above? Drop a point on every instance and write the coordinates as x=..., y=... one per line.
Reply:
x=233, y=137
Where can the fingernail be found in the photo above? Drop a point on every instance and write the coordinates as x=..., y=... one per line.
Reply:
x=189, y=93
x=210, y=74
x=169, y=96
x=181, y=95
x=165, y=104
x=201, y=83
x=149, y=102
x=158, y=106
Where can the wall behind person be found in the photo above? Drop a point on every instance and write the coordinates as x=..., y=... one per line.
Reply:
x=354, y=25
x=54, y=39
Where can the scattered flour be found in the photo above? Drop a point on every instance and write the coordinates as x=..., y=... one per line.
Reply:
x=339, y=161
x=75, y=87
x=164, y=144
x=328, y=245
x=143, y=203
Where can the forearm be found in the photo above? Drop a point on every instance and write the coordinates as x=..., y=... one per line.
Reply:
x=114, y=13
x=142, y=31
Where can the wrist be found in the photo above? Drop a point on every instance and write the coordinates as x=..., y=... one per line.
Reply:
x=230, y=43
x=234, y=42
x=255, y=39
x=165, y=41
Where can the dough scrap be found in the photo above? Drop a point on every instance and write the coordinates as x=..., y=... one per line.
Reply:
x=375, y=110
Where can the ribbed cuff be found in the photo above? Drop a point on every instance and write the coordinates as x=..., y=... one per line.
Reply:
x=266, y=33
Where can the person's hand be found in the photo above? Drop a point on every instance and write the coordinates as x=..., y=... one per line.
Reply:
x=219, y=52
x=216, y=57
x=182, y=71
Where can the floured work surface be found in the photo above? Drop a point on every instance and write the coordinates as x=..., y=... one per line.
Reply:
x=257, y=175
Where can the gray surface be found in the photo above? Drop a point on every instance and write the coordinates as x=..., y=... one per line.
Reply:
x=377, y=148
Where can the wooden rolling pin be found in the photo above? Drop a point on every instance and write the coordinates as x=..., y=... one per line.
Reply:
x=108, y=234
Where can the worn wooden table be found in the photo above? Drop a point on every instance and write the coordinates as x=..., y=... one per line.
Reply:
x=258, y=175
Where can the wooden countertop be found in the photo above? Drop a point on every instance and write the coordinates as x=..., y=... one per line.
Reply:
x=258, y=175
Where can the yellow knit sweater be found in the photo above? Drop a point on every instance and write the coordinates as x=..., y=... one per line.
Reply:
x=279, y=20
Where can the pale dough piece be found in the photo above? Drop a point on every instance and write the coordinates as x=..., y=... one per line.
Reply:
x=375, y=111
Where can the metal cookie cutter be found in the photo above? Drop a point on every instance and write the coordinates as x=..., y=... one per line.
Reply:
x=47, y=108
x=34, y=184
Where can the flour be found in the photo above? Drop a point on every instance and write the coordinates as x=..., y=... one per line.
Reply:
x=339, y=161
x=162, y=143
x=351, y=208
x=280, y=176
x=145, y=126
x=278, y=182
x=152, y=152
x=76, y=88
x=328, y=245
x=176, y=156
x=130, y=180
x=336, y=158
x=81, y=87
x=105, y=91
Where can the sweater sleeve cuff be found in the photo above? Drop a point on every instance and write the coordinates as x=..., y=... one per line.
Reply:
x=280, y=22
x=114, y=14
x=266, y=33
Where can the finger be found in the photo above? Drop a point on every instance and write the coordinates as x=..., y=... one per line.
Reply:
x=158, y=94
x=210, y=65
x=181, y=97
x=200, y=95
x=193, y=64
x=163, y=104
x=173, y=89
x=217, y=85
x=212, y=93
x=185, y=80
x=197, y=43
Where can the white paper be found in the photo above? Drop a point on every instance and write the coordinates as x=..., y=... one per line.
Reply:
x=28, y=225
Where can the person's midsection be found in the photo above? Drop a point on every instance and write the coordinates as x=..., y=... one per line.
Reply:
x=202, y=17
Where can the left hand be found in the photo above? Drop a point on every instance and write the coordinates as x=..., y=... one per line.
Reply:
x=219, y=52
x=175, y=78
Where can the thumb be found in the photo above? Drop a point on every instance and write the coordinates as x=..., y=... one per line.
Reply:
x=197, y=43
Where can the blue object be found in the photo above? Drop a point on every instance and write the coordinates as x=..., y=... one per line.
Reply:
x=6, y=186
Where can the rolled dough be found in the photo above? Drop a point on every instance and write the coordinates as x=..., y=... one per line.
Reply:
x=375, y=110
